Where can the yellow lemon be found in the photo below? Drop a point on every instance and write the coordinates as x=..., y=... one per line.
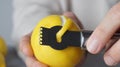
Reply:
x=3, y=47
x=68, y=57
x=3, y=52
x=2, y=60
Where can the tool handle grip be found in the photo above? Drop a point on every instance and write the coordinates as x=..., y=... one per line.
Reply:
x=87, y=33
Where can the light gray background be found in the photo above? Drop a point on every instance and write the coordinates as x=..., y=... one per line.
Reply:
x=6, y=19
x=6, y=11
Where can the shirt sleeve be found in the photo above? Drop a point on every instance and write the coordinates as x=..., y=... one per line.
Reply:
x=27, y=13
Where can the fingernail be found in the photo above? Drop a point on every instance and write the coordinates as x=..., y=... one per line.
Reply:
x=110, y=61
x=92, y=45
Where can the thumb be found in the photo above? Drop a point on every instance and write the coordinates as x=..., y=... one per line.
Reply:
x=74, y=18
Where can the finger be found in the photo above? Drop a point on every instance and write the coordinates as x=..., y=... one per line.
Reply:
x=112, y=56
x=32, y=62
x=110, y=43
x=74, y=18
x=104, y=31
x=25, y=45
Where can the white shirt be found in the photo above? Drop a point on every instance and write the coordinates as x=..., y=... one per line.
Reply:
x=27, y=13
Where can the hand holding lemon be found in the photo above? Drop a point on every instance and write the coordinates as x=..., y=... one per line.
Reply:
x=25, y=47
x=68, y=57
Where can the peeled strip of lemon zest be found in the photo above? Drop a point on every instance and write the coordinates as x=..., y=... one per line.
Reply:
x=65, y=27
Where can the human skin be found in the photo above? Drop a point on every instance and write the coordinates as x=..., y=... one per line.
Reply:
x=102, y=34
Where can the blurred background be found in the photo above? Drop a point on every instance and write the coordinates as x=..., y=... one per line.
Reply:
x=6, y=11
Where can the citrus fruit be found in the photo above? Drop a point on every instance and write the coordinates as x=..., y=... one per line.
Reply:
x=67, y=57
x=2, y=60
x=3, y=47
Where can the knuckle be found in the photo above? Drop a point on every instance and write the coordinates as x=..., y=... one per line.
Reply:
x=111, y=60
x=115, y=11
x=101, y=30
x=25, y=38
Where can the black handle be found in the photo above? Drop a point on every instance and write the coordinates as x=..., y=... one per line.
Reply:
x=87, y=33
